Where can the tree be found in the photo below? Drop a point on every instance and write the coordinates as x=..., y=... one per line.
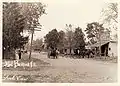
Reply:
x=61, y=41
x=32, y=13
x=110, y=16
x=13, y=25
x=52, y=39
x=37, y=44
x=18, y=17
x=69, y=36
x=94, y=31
x=79, y=41
x=110, y=13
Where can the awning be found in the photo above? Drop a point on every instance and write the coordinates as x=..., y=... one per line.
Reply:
x=99, y=43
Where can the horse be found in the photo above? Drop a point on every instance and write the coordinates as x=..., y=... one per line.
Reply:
x=53, y=53
x=87, y=52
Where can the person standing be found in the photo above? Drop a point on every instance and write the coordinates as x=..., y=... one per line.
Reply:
x=19, y=53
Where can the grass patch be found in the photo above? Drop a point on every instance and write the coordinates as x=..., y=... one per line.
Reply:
x=39, y=64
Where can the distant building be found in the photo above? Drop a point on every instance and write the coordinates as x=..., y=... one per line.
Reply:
x=108, y=48
x=113, y=48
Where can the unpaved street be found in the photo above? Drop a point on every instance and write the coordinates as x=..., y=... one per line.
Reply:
x=80, y=70
x=69, y=70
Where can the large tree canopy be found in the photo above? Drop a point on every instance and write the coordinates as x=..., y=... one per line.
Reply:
x=32, y=13
x=79, y=41
x=61, y=39
x=13, y=25
x=94, y=31
x=69, y=37
x=110, y=14
x=52, y=38
x=18, y=17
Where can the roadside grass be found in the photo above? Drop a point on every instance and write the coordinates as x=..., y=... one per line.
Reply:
x=26, y=74
x=38, y=64
x=97, y=58
x=106, y=59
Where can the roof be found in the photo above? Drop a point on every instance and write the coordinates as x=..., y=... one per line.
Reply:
x=98, y=44
x=103, y=43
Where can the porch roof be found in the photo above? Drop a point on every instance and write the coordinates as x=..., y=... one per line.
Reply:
x=102, y=43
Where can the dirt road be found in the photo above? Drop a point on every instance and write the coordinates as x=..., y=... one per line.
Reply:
x=80, y=70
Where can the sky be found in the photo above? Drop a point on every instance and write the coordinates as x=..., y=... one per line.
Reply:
x=75, y=12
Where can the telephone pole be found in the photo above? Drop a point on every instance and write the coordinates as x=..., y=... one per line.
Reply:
x=33, y=30
x=31, y=43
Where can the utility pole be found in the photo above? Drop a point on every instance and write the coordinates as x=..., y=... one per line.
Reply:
x=33, y=30
x=31, y=43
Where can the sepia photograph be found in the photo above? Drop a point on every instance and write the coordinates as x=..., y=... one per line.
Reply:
x=56, y=41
